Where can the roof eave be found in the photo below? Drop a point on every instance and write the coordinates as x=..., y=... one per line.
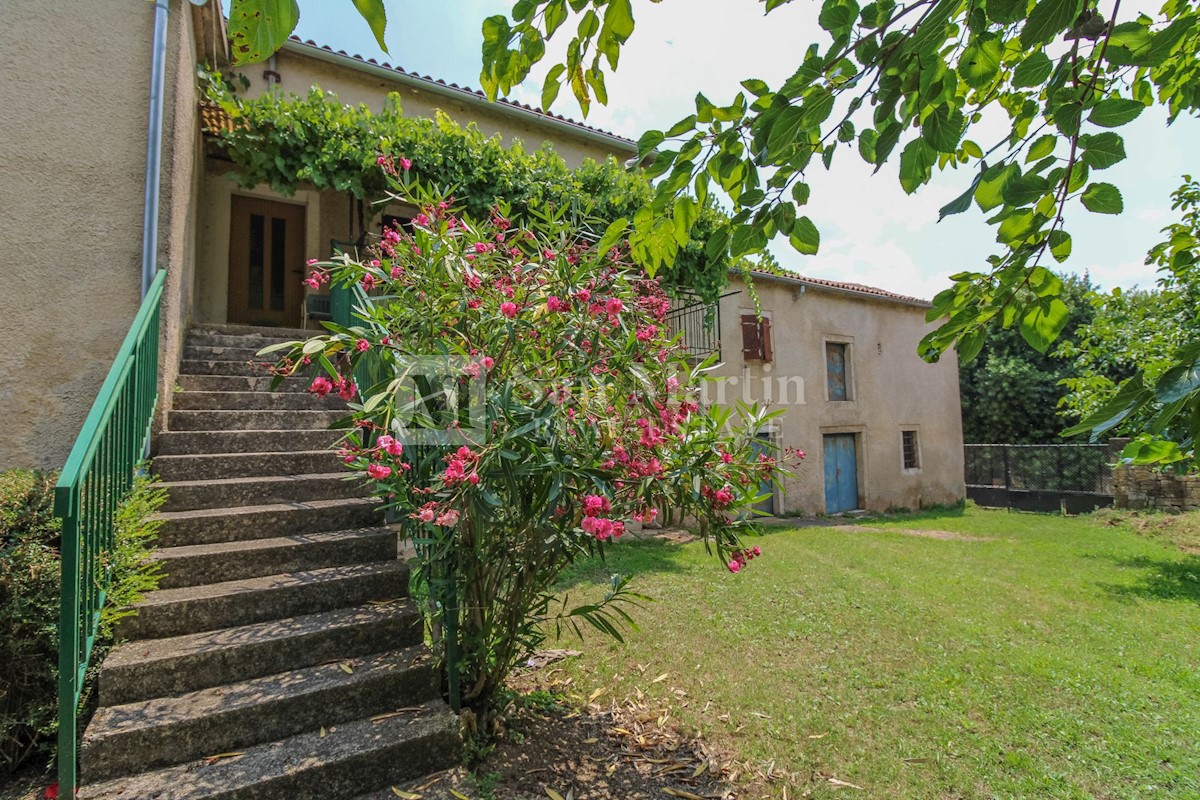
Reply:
x=540, y=120
x=796, y=280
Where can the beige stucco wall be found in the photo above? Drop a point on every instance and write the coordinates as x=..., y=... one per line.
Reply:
x=75, y=94
x=892, y=389
x=72, y=151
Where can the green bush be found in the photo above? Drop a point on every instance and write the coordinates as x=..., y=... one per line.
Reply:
x=29, y=581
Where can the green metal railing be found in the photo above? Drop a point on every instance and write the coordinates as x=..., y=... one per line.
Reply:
x=98, y=474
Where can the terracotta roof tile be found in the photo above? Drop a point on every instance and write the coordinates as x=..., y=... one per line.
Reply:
x=844, y=286
x=475, y=93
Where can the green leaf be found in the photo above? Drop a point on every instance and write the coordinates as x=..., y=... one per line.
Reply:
x=552, y=85
x=1182, y=379
x=686, y=211
x=1026, y=190
x=1042, y=147
x=1132, y=396
x=800, y=193
x=943, y=128
x=805, y=237
x=1033, y=70
x=649, y=141
x=1048, y=19
x=1060, y=245
x=962, y=202
x=991, y=189
x=756, y=87
x=1005, y=11
x=1041, y=325
x=916, y=165
x=376, y=16
x=612, y=234
x=618, y=19
x=1102, y=150
x=257, y=28
x=980, y=61
x=1115, y=111
x=683, y=126
x=1103, y=198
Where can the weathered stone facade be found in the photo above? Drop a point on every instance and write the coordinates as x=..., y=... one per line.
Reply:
x=1146, y=487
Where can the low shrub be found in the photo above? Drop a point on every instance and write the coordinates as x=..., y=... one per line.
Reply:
x=29, y=582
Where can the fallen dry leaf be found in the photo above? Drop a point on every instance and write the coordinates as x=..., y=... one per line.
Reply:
x=346, y=668
x=686, y=795
x=553, y=795
x=661, y=678
x=847, y=784
x=403, y=795
x=459, y=794
x=221, y=757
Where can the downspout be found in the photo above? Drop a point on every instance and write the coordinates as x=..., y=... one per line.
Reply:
x=158, y=69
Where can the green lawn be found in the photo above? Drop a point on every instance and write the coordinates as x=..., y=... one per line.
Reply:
x=1055, y=658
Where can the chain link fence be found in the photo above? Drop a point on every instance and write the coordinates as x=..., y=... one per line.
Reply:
x=1073, y=478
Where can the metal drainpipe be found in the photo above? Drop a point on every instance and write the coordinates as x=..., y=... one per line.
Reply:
x=158, y=69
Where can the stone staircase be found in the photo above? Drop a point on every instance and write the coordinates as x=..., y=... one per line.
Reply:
x=279, y=658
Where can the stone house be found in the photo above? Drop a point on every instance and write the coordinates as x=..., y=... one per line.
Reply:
x=881, y=428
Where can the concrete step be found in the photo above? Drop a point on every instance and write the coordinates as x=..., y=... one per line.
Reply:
x=239, y=383
x=251, y=420
x=197, y=332
x=192, y=609
x=262, y=490
x=125, y=739
x=256, y=401
x=231, y=561
x=242, y=350
x=227, y=466
x=255, y=368
x=244, y=523
x=347, y=760
x=141, y=670
x=175, y=443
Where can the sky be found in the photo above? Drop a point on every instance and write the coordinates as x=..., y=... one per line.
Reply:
x=871, y=231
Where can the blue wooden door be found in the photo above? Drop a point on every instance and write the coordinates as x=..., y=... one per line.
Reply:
x=841, y=473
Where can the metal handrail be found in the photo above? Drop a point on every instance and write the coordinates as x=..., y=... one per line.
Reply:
x=97, y=476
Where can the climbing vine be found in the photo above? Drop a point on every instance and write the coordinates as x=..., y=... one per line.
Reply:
x=289, y=142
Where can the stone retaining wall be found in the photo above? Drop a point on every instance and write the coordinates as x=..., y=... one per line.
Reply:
x=1145, y=487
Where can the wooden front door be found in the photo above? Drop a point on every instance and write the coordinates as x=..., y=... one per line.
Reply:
x=266, y=262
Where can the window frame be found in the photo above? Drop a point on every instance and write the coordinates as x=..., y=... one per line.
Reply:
x=762, y=347
x=917, y=461
x=847, y=345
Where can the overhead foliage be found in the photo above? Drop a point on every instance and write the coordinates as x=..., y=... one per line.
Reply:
x=1139, y=359
x=906, y=81
x=260, y=27
x=1011, y=393
x=288, y=142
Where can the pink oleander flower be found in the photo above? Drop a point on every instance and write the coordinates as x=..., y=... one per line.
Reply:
x=614, y=306
x=726, y=458
x=311, y=262
x=583, y=295
x=448, y=518
x=368, y=282
x=320, y=386
x=347, y=389
x=554, y=304
x=473, y=479
x=405, y=164
x=390, y=445
x=756, y=551
x=488, y=362
x=735, y=566
x=397, y=272
x=422, y=220
x=378, y=471
x=646, y=332
x=722, y=497
x=595, y=504
x=508, y=309
x=362, y=345
x=426, y=514
x=313, y=282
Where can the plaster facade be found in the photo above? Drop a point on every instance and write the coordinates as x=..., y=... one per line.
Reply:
x=890, y=390
x=73, y=146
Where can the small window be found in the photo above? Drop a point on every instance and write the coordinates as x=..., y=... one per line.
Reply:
x=912, y=452
x=756, y=338
x=837, y=370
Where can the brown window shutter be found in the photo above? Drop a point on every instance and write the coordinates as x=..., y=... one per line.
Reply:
x=751, y=338
x=766, y=339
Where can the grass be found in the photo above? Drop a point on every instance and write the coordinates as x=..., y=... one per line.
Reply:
x=1043, y=657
